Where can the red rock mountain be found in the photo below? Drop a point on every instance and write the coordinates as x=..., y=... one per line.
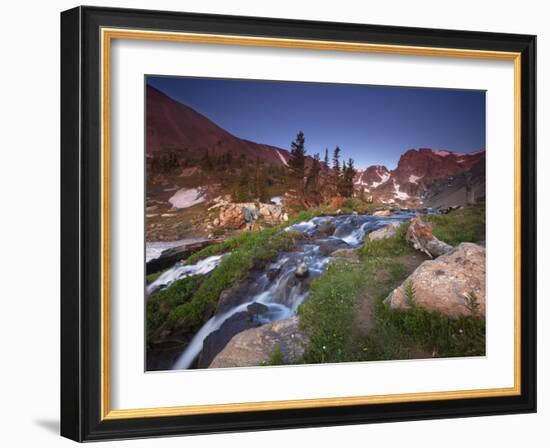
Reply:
x=372, y=177
x=422, y=175
x=173, y=126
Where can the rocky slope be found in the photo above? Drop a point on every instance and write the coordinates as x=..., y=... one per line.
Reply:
x=173, y=126
x=426, y=177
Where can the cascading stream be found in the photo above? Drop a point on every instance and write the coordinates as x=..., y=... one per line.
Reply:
x=278, y=291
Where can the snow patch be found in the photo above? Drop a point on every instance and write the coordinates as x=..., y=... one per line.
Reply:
x=401, y=195
x=442, y=153
x=281, y=157
x=384, y=177
x=187, y=197
x=414, y=179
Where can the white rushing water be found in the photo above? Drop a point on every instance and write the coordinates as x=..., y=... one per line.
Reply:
x=180, y=271
x=282, y=293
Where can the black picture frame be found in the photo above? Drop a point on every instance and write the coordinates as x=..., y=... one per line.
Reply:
x=81, y=224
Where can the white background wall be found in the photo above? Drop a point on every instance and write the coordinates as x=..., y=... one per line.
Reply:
x=29, y=235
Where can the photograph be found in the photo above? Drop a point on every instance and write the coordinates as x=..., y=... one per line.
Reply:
x=290, y=220
x=294, y=223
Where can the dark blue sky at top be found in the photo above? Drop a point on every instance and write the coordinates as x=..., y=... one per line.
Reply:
x=371, y=124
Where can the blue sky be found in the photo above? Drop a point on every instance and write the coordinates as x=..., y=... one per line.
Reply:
x=371, y=124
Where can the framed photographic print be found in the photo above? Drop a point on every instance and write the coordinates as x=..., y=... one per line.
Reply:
x=275, y=224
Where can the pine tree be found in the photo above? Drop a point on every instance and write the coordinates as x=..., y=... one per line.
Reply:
x=297, y=162
x=341, y=181
x=336, y=162
x=334, y=181
x=313, y=180
x=348, y=175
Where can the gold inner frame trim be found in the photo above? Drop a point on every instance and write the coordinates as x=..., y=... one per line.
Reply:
x=107, y=35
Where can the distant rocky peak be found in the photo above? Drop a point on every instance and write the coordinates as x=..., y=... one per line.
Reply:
x=416, y=171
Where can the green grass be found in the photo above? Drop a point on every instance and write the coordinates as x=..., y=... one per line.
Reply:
x=329, y=313
x=389, y=247
x=161, y=303
x=463, y=225
x=360, y=206
x=398, y=332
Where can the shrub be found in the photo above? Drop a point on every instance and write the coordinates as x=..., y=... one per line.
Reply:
x=410, y=293
x=275, y=359
x=472, y=303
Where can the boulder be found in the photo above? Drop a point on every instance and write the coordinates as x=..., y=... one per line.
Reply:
x=382, y=213
x=257, y=308
x=170, y=256
x=256, y=346
x=326, y=228
x=273, y=273
x=244, y=215
x=385, y=232
x=231, y=297
x=329, y=245
x=446, y=283
x=231, y=217
x=344, y=229
x=302, y=270
x=420, y=235
x=217, y=340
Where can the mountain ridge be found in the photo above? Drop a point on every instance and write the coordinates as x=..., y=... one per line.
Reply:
x=172, y=126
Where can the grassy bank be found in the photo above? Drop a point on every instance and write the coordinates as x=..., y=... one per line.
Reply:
x=330, y=314
x=464, y=225
x=160, y=305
